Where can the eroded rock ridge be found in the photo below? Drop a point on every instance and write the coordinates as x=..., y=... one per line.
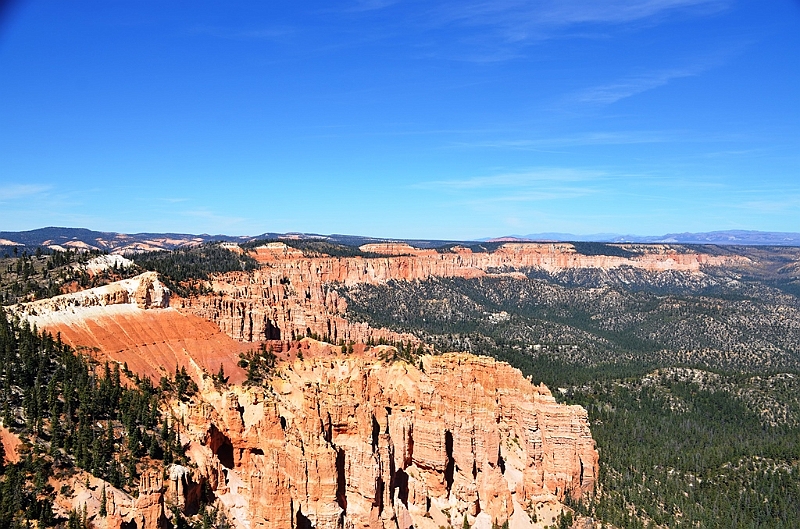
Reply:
x=292, y=295
x=357, y=442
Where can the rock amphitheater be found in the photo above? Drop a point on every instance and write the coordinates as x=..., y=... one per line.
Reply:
x=339, y=440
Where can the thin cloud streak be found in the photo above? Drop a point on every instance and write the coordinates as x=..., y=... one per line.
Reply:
x=511, y=180
x=631, y=86
x=597, y=138
x=503, y=28
x=771, y=205
x=564, y=184
x=221, y=220
x=609, y=93
x=241, y=34
x=520, y=20
x=371, y=5
x=547, y=193
x=15, y=191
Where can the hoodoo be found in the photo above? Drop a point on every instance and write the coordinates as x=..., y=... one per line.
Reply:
x=360, y=442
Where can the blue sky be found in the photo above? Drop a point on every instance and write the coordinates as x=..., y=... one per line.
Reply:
x=437, y=119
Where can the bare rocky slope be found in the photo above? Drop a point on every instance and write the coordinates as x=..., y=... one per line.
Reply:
x=130, y=322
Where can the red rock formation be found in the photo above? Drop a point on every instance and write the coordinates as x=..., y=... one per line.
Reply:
x=152, y=343
x=395, y=248
x=281, y=304
x=125, y=322
x=149, y=505
x=273, y=251
x=159, y=491
x=290, y=294
x=11, y=444
x=412, y=263
x=356, y=442
x=341, y=441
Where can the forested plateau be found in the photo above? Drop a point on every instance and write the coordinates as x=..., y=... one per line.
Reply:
x=691, y=379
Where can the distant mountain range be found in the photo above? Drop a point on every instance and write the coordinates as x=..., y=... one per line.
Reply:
x=84, y=239
x=121, y=243
x=734, y=237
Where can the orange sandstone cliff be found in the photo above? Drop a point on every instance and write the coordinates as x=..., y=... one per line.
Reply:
x=131, y=322
x=332, y=441
x=359, y=442
x=291, y=295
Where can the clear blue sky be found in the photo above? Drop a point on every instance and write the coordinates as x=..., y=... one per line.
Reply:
x=439, y=119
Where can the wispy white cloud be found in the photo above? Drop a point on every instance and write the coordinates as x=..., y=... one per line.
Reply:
x=216, y=220
x=774, y=204
x=519, y=180
x=544, y=193
x=15, y=191
x=500, y=30
x=371, y=5
x=600, y=138
x=734, y=152
x=591, y=138
x=768, y=197
x=630, y=86
x=552, y=184
x=521, y=20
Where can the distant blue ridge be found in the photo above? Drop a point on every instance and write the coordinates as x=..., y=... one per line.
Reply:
x=100, y=240
x=733, y=237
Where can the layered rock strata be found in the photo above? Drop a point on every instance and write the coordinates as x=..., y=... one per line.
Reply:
x=291, y=295
x=406, y=262
x=130, y=322
x=332, y=441
x=345, y=442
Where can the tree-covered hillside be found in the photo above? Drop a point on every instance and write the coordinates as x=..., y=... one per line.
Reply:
x=691, y=381
x=185, y=270
x=42, y=274
x=71, y=415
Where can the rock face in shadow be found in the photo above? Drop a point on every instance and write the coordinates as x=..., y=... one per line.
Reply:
x=357, y=442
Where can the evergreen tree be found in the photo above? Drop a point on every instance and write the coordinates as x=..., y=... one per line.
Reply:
x=103, y=512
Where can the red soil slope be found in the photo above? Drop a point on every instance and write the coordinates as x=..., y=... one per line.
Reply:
x=152, y=342
x=10, y=445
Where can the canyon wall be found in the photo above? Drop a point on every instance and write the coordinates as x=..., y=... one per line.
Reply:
x=354, y=442
x=290, y=295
